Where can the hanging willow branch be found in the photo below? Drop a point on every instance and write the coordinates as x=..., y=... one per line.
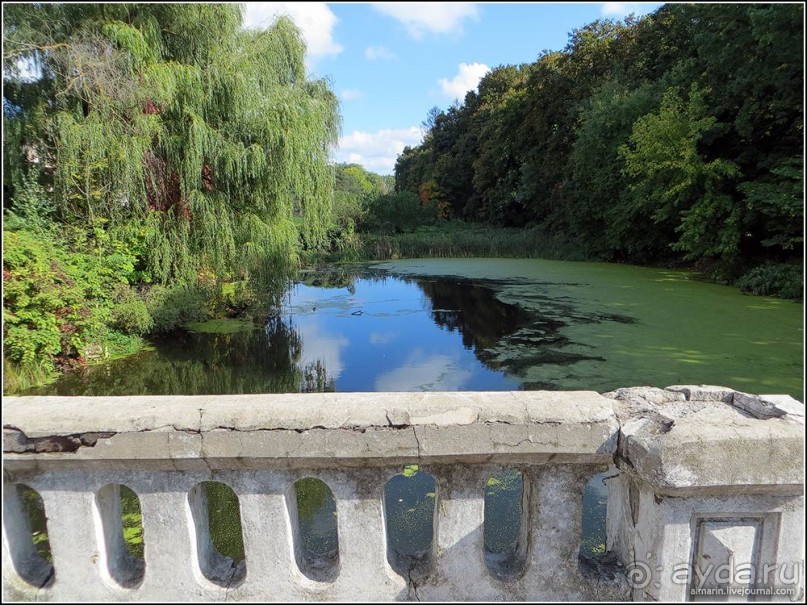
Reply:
x=209, y=134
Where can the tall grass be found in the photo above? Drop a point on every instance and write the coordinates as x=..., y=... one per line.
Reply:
x=457, y=240
x=21, y=377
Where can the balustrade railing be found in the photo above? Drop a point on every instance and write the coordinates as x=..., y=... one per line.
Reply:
x=696, y=475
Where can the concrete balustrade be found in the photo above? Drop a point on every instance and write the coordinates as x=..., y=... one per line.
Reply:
x=699, y=477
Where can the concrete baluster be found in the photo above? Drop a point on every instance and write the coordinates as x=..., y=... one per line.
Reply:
x=459, y=532
x=703, y=478
x=362, y=535
x=267, y=529
x=73, y=540
x=555, y=520
x=169, y=553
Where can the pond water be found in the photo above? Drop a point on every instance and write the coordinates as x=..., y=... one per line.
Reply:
x=485, y=324
x=482, y=325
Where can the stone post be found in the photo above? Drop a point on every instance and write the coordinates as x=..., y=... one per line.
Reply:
x=709, y=504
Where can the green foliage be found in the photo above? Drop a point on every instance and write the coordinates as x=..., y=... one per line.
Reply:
x=495, y=195
x=608, y=230
x=207, y=136
x=673, y=184
x=21, y=377
x=354, y=190
x=162, y=144
x=66, y=293
x=221, y=326
x=774, y=279
x=312, y=495
x=50, y=303
x=32, y=207
x=504, y=484
x=175, y=307
x=675, y=137
x=65, y=298
x=457, y=239
x=778, y=197
x=225, y=520
x=113, y=344
x=399, y=212
x=129, y=313
x=131, y=521
x=410, y=470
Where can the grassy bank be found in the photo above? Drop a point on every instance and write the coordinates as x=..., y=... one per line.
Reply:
x=457, y=239
x=454, y=239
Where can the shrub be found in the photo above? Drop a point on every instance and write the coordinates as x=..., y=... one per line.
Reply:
x=46, y=310
x=774, y=279
x=174, y=307
x=32, y=209
x=59, y=292
x=130, y=314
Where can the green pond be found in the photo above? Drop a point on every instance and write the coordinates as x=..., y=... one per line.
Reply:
x=481, y=324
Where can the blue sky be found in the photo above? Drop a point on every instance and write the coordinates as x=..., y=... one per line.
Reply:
x=391, y=62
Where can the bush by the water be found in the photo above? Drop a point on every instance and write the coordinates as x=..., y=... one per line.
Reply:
x=58, y=292
x=65, y=298
x=129, y=313
x=173, y=307
x=774, y=279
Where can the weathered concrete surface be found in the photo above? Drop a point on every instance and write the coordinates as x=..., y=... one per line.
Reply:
x=664, y=543
x=678, y=444
x=696, y=472
x=330, y=430
x=707, y=494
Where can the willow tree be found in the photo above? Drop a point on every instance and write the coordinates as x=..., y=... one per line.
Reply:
x=172, y=120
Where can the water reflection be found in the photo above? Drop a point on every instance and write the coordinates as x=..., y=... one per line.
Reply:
x=321, y=348
x=472, y=310
x=186, y=363
x=365, y=332
x=423, y=372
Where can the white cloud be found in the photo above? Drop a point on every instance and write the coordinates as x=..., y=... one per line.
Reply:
x=319, y=345
x=348, y=94
x=621, y=9
x=421, y=373
x=382, y=338
x=467, y=79
x=379, y=53
x=315, y=20
x=377, y=151
x=420, y=18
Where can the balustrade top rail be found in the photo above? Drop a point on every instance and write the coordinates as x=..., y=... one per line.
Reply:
x=323, y=430
x=679, y=455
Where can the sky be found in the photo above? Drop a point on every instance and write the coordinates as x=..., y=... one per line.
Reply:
x=390, y=62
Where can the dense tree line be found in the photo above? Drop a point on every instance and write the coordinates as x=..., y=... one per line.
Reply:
x=676, y=137
x=156, y=157
x=355, y=191
x=366, y=202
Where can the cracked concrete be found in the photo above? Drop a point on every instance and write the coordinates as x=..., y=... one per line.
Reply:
x=673, y=452
x=294, y=430
x=678, y=443
x=16, y=441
